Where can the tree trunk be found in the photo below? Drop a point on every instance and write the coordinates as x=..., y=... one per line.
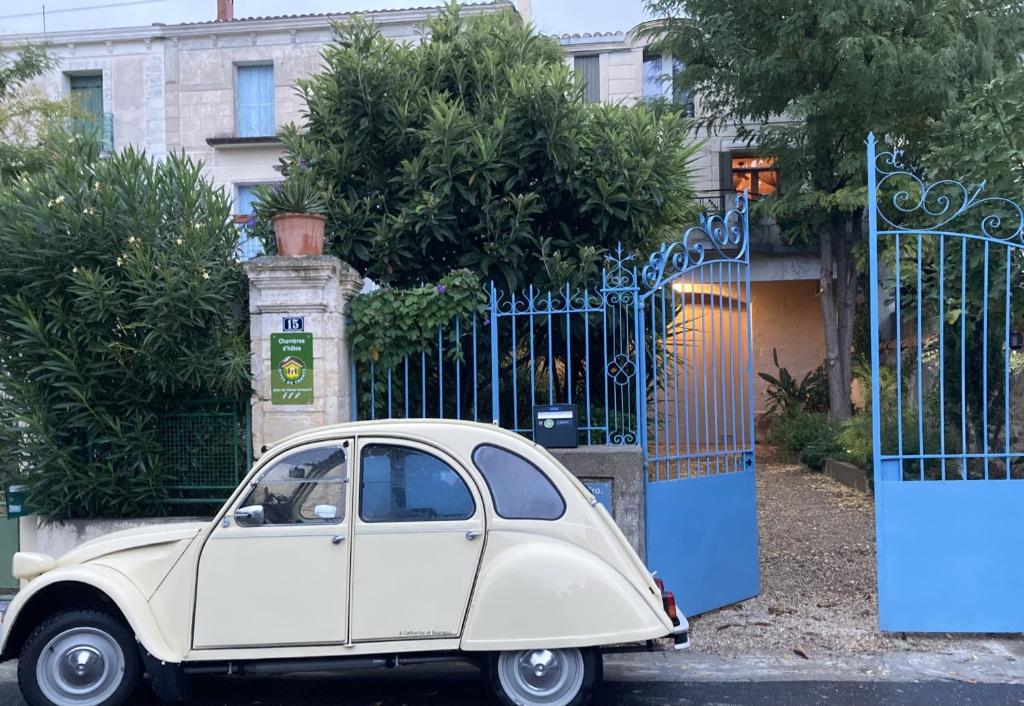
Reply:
x=846, y=301
x=838, y=306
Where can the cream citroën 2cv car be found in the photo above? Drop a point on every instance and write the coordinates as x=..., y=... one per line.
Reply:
x=457, y=540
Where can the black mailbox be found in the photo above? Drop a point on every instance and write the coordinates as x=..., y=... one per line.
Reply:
x=554, y=426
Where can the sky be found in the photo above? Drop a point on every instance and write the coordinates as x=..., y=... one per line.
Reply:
x=550, y=16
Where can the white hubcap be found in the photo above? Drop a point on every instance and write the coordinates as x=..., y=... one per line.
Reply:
x=80, y=667
x=541, y=677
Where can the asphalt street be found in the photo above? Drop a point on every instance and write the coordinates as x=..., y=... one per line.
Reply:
x=398, y=690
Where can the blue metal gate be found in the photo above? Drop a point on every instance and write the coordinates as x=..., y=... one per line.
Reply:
x=946, y=270
x=658, y=356
x=695, y=374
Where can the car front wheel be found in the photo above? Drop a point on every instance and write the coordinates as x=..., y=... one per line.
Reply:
x=80, y=658
x=542, y=677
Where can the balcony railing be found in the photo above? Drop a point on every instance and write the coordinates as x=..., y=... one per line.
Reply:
x=719, y=200
x=99, y=127
x=765, y=235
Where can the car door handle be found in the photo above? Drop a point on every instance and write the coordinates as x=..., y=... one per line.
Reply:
x=473, y=534
x=337, y=539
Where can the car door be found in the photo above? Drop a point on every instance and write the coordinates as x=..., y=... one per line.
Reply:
x=417, y=537
x=274, y=572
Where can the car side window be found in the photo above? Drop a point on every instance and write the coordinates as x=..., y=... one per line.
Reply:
x=519, y=489
x=306, y=487
x=403, y=484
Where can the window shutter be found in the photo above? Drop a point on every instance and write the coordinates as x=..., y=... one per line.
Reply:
x=249, y=246
x=246, y=197
x=256, y=101
x=88, y=90
x=588, y=69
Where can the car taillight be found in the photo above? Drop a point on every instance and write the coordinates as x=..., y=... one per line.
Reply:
x=669, y=600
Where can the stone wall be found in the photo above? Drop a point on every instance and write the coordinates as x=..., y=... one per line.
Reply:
x=317, y=289
x=623, y=466
x=132, y=68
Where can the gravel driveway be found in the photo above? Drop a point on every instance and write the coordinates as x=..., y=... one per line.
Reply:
x=818, y=588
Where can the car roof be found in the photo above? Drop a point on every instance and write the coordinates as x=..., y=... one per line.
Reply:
x=413, y=427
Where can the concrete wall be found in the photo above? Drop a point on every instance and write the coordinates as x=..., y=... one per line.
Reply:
x=201, y=70
x=57, y=538
x=787, y=317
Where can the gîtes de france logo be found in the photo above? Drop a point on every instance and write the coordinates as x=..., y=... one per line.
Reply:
x=292, y=370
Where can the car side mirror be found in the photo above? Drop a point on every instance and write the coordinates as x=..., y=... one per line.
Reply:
x=249, y=516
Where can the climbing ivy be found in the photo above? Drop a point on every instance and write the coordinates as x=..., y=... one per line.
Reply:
x=388, y=324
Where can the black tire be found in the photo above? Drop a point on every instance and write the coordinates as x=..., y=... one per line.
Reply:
x=593, y=674
x=101, y=629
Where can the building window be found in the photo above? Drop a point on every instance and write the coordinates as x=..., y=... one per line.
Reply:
x=249, y=246
x=255, y=101
x=659, y=84
x=588, y=70
x=756, y=174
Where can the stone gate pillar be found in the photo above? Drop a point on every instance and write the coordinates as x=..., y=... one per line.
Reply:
x=296, y=303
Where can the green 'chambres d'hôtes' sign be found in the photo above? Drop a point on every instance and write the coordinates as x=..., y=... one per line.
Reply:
x=291, y=368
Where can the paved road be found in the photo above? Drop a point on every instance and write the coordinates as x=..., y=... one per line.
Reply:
x=398, y=690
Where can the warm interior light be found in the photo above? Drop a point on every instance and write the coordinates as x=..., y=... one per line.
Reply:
x=690, y=288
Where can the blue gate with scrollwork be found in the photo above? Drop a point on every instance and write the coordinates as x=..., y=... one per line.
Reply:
x=655, y=354
x=947, y=313
x=695, y=375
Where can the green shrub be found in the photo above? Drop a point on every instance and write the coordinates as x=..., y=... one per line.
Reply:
x=476, y=148
x=807, y=436
x=120, y=298
x=855, y=440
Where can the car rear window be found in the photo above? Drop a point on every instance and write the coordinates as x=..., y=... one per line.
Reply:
x=519, y=489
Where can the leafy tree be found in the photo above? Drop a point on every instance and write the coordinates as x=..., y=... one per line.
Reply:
x=120, y=297
x=834, y=70
x=981, y=138
x=25, y=113
x=980, y=142
x=475, y=148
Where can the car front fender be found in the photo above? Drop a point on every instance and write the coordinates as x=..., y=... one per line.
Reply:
x=536, y=591
x=48, y=594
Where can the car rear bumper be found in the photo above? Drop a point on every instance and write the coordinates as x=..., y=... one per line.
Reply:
x=681, y=637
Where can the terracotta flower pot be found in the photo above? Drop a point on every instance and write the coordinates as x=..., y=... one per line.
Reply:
x=299, y=234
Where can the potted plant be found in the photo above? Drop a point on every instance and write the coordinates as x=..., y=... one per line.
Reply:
x=296, y=207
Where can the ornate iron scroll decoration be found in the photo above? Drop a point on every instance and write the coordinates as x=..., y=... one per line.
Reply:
x=942, y=203
x=721, y=237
